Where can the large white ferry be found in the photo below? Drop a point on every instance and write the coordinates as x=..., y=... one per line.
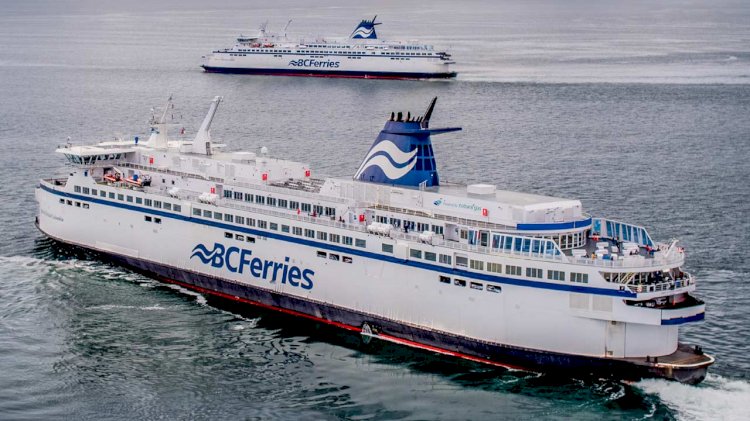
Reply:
x=363, y=55
x=513, y=279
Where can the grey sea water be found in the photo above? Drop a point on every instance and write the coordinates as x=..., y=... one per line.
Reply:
x=641, y=110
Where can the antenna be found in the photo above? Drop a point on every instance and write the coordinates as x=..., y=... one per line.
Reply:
x=287, y=26
x=426, y=120
x=163, y=118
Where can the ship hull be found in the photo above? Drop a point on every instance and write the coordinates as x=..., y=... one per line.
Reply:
x=352, y=74
x=409, y=335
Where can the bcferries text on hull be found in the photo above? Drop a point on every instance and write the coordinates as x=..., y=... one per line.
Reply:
x=494, y=276
x=363, y=55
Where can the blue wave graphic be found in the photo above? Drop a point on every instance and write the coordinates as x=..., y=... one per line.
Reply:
x=203, y=254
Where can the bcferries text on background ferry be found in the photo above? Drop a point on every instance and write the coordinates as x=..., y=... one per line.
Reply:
x=494, y=276
x=363, y=55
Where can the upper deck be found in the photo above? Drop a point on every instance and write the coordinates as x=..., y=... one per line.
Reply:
x=478, y=218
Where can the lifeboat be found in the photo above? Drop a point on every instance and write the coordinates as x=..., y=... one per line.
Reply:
x=112, y=178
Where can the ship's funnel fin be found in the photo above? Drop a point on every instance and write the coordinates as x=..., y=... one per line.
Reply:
x=402, y=153
x=202, y=141
x=365, y=29
x=427, y=114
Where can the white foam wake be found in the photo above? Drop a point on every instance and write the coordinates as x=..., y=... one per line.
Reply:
x=717, y=398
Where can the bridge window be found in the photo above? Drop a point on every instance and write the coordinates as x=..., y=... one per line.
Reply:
x=387, y=248
x=77, y=189
x=494, y=267
x=129, y=199
x=428, y=255
x=250, y=222
x=218, y=215
x=347, y=240
x=360, y=243
x=238, y=219
x=417, y=254
x=261, y=200
x=322, y=235
x=177, y=208
x=206, y=213
x=445, y=259
x=309, y=233
x=285, y=228
x=262, y=224
x=248, y=197
x=296, y=230
x=228, y=217
x=462, y=261
x=334, y=238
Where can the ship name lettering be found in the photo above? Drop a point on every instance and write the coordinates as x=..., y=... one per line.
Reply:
x=240, y=260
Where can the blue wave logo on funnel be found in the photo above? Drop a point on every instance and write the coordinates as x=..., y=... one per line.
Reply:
x=402, y=153
x=366, y=29
x=389, y=159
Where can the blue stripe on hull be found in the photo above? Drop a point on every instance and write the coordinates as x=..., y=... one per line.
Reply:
x=683, y=320
x=353, y=320
x=329, y=73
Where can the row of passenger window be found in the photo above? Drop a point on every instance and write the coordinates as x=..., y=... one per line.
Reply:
x=71, y=203
x=280, y=203
x=410, y=225
x=334, y=256
x=273, y=226
x=472, y=284
x=239, y=237
x=157, y=204
x=493, y=267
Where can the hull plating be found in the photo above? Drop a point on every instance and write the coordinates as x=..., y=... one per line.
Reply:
x=400, y=333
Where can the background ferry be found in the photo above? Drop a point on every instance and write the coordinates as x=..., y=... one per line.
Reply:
x=362, y=55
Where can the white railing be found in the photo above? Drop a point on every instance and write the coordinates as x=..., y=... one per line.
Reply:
x=674, y=260
x=663, y=286
x=263, y=187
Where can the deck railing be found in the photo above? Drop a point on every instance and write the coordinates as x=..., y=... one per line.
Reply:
x=663, y=286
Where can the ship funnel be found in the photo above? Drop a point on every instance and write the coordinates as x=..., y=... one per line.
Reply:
x=366, y=29
x=202, y=141
x=402, y=153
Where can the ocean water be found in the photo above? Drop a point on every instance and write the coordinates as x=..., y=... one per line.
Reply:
x=640, y=110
